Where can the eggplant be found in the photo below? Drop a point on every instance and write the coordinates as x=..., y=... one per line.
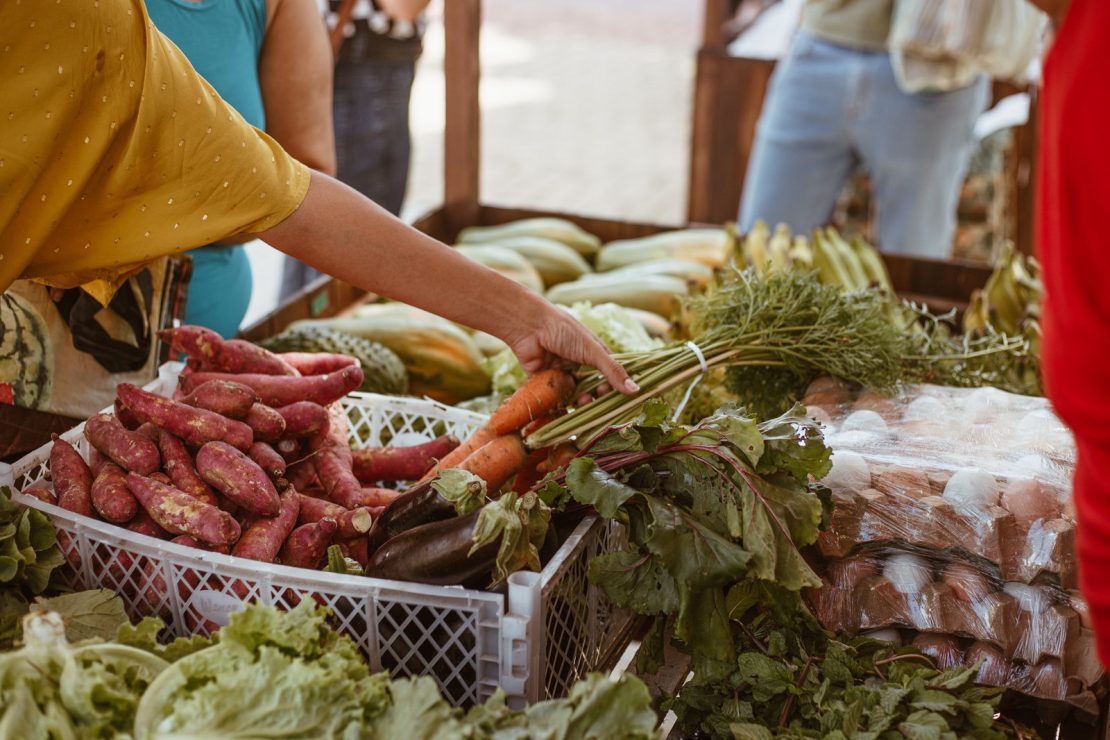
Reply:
x=436, y=553
x=421, y=505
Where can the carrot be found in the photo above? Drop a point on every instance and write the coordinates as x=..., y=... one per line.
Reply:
x=350, y=522
x=497, y=461
x=193, y=425
x=263, y=539
x=539, y=396
x=223, y=397
x=557, y=458
x=266, y=423
x=529, y=475
x=307, y=546
x=238, y=477
x=267, y=458
x=228, y=355
x=317, y=363
x=42, y=494
x=178, y=463
x=111, y=497
x=304, y=419
x=400, y=463
x=72, y=478
x=144, y=524
x=130, y=450
x=278, y=391
x=179, y=513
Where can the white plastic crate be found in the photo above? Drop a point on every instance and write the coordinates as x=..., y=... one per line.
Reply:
x=546, y=630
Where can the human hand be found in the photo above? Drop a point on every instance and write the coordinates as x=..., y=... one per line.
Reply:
x=553, y=338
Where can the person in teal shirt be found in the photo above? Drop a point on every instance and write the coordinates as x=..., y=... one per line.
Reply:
x=269, y=59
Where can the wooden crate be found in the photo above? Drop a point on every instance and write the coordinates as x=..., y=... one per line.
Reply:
x=728, y=99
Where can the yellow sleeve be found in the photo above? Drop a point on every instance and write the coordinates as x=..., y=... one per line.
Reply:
x=114, y=151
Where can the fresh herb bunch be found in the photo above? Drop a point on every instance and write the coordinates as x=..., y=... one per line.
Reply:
x=793, y=680
x=707, y=508
x=787, y=321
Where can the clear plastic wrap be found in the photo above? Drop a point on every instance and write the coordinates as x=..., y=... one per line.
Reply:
x=953, y=519
x=977, y=470
x=1027, y=626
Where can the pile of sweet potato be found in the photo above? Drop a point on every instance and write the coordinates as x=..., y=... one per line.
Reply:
x=250, y=458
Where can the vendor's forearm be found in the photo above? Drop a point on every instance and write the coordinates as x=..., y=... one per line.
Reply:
x=341, y=233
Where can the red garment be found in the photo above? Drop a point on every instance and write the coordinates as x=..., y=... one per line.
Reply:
x=1074, y=248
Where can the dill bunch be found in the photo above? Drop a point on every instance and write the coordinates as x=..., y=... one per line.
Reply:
x=787, y=321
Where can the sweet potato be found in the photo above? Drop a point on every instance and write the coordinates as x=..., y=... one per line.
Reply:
x=71, y=476
x=400, y=463
x=356, y=549
x=229, y=355
x=378, y=496
x=161, y=478
x=130, y=450
x=148, y=430
x=267, y=424
x=263, y=539
x=304, y=419
x=331, y=457
x=178, y=463
x=334, y=471
x=110, y=496
x=307, y=546
x=179, y=513
x=96, y=460
x=124, y=416
x=42, y=494
x=278, y=391
x=302, y=475
x=194, y=426
x=238, y=477
x=351, y=522
x=267, y=458
x=317, y=363
x=289, y=449
x=223, y=397
x=143, y=524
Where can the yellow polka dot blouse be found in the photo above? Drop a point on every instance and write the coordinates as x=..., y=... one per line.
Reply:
x=113, y=151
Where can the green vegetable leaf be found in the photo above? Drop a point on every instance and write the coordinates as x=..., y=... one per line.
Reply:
x=466, y=491
x=748, y=731
x=144, y=636
x=520, y=521
x=635, y=580
x=924, y=725
x=954, y=678
x=88, y=614
x=417, y=711
x=741, y=432
x=589, y=484
x=795, y=445
x=768, y=677
x=936, y=701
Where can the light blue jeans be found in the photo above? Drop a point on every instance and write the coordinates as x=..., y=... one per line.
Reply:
x=828, y=109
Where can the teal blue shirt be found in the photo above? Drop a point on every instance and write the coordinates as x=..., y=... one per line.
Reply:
x=223, y=40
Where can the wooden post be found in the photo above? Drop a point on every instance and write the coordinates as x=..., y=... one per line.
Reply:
x=462, y=20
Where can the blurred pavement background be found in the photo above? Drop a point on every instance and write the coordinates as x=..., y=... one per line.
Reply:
x=585, y=109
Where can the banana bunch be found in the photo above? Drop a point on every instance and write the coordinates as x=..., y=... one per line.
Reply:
x=1010, y=302
x=852, y=265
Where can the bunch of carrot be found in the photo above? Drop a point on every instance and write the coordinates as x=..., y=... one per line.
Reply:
x=251, y=458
